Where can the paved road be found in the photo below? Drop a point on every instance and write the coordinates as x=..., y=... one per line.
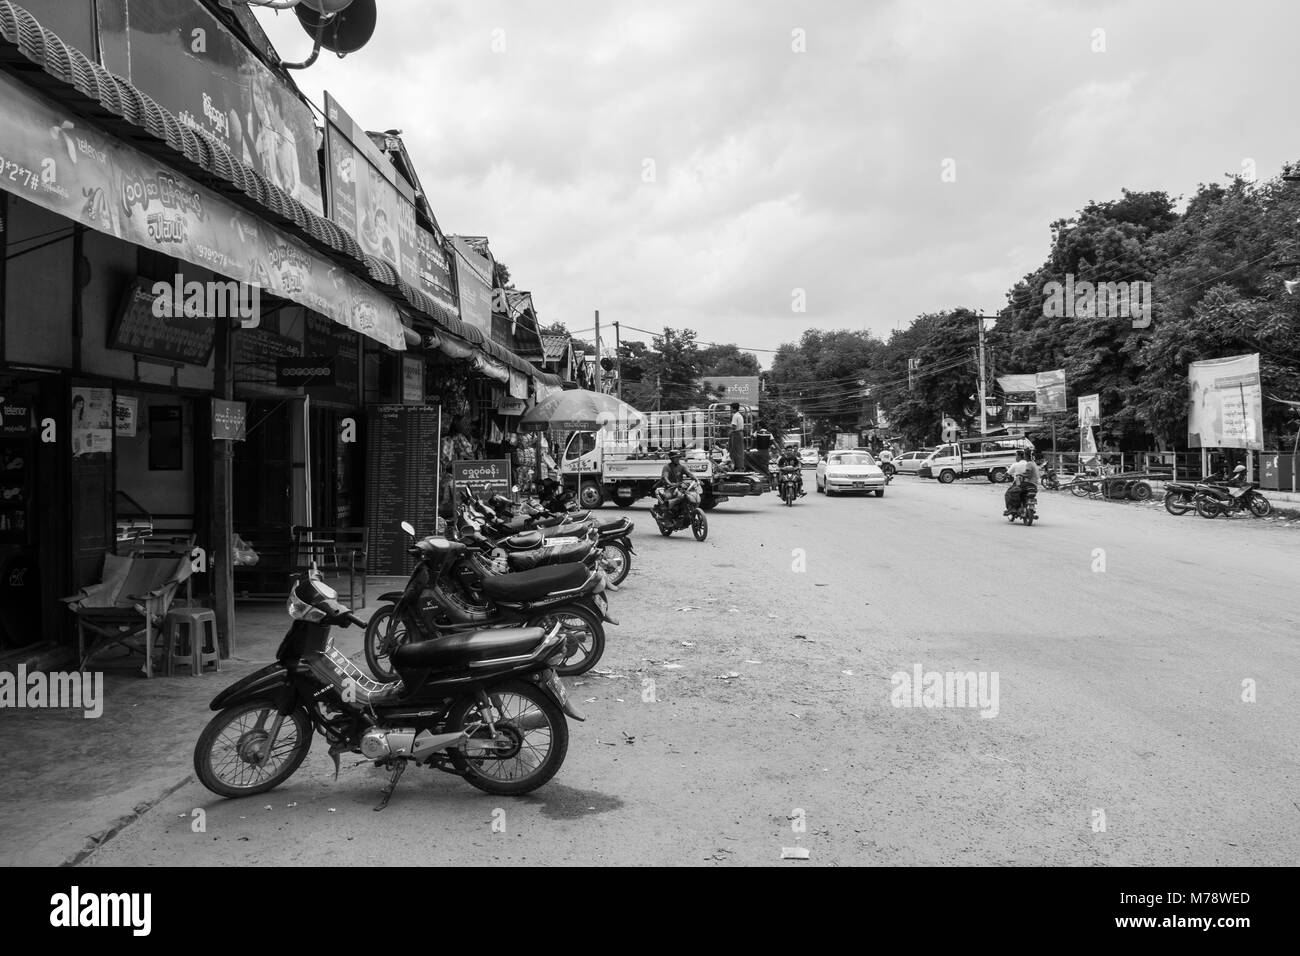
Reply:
x=1119, y=702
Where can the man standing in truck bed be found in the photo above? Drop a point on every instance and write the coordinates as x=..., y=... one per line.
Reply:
x=737, y=449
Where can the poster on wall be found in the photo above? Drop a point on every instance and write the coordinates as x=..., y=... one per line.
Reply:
x=125, y=412
x=187, y=60
x=92, y=421
x=61, y=163
x=1226, y=404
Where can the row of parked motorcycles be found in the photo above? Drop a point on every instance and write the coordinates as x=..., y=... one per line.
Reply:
x=465, y=660
x=1213, y=497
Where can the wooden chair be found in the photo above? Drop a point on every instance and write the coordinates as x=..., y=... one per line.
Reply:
x=132, y=598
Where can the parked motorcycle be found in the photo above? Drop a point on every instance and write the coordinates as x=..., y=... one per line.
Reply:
x=1048, y=477
x=1211, y=501
x=685, y=514
x=446, y=596
x=1180, y=496
x=486, y=705
x=1028, y=508
x=514, y=527
x=788, y=484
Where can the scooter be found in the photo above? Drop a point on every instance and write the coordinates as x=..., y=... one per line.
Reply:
x=485, y=705
x=788, y=484
x=615, y=534
x=435, y=604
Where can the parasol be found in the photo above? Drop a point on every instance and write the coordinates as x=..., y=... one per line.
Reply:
x=578, y=409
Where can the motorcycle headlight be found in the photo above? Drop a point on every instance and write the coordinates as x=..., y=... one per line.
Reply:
x=300, y=610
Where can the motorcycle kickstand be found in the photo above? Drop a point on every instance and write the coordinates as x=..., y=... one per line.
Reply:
x=387, y=792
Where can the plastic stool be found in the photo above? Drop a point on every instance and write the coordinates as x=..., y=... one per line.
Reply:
x=190, y=631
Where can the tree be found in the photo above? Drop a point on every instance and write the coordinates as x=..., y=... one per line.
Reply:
x=825, y=376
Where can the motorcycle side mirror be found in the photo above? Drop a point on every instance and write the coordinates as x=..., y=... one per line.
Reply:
x=408, y=528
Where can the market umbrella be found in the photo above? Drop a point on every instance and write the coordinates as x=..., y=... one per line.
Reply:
x=578, y=409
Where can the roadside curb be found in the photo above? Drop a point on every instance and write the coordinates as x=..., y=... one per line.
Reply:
x=99, y=839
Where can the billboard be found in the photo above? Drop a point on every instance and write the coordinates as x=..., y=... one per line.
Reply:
x=188, y=61
x=732, y=388
x=474, y=280
x=1049, y=391
x=1226, y=403
x=1089, y=410
x=70, y=167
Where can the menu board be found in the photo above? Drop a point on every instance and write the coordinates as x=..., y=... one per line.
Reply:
x=402, y=465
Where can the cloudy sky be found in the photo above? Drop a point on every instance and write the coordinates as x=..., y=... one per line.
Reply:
x=695, y=164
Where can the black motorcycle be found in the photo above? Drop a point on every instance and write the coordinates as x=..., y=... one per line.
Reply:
x=447, y=596
x=503, y=516
x=485, y=705
x=1211, y=501
x=681, y=514
x=788, y=484
x=1027, y=511
x=1048, y=477
x=1180, y=496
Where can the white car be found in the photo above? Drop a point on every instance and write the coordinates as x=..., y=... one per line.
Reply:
x=909, y=462
x=808, y=457
x=850, y=469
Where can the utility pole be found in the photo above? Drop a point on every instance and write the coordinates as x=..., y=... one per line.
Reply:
x=657, y=393
x=600, y=372
x=984, y=429
x=618, y=362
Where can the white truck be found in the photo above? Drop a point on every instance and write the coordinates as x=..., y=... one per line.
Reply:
x=988, y=455
x=624, y=465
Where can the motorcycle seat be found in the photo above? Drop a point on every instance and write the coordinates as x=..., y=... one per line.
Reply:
x=614, y=525
x=539, y=582
x=524, y=539
x=549, y=554
x=468, y=648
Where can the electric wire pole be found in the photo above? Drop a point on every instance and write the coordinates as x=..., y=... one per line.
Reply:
x=618, y=363
x=984, y=428
x=600, y=372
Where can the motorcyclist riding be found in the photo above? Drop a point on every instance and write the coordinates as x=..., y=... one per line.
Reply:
x=1024, y=474
x=674, y=474
x=790, y=459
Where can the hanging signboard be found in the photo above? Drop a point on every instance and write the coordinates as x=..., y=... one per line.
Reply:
x=412, y=380
x=187, y=60
x=1049, y=391
x=72, y=168
x=229, y=421
x=484, y=478
x=732, y=388
x=474, y=280
x=178, y=338
x=1089, y=410
x=1226, y=407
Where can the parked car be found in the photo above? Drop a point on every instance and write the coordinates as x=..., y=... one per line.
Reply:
x=909, y=462
x=808, y=457
x=850, y=470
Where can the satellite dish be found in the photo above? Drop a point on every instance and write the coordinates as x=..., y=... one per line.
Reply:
x=343, y=26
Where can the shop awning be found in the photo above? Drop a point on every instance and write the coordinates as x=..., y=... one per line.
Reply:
x=283, y=248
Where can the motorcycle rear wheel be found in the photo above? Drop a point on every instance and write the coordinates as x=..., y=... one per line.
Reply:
x=1176, y=504
x=585, y=637
x=1207, y=508
x=1082, y=490
x=616, y=561
x=228, y=758
x=699, y=525
x=523, y=711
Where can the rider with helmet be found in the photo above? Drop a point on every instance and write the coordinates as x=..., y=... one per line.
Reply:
x=1024, y=475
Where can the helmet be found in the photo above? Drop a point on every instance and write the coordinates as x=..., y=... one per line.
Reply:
x=1239, y=468
x=674, y=455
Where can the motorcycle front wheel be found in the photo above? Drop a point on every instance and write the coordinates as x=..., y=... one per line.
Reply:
x=583, y=633
x=1260, y=506
x=531, y=740
x=231, y=758
x=699, y=525
x=384, y=634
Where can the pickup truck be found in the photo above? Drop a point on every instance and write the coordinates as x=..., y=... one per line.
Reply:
x=986, y=456
x=596, y=468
